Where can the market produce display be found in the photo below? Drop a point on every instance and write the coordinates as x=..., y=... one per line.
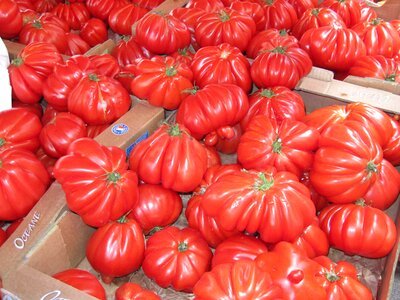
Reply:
x=243, y=191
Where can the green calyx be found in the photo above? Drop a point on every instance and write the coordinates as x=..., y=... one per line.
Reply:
x=360, y=202
x=17, y=61
x=113, y=177
x=267, y=93
x=371, y=169
x=171, y=71
x=94, y=77
x=182, y=247
x=183, y=51
x=2, y=142
x=376, y=21
x=279, y=50
x=123, y=220
x=154, y=230
x=174, y=130
x=332, y=277
x=223, y=16
x=277, y=145
x=192, y=91
x=315, y=11
x=391, y=78
x=283, y=32
x=37, y=24
x=263, y=184
x=269, y=2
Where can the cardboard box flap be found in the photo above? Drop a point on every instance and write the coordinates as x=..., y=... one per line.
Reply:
x=386, y=9
x=389, y=86
x=321, y=74
x=102, y=48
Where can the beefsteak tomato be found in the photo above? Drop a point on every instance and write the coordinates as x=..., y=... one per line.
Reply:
x=133, y=291
x=10, y=19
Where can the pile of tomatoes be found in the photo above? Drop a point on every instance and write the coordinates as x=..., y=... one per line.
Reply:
x=259, y=228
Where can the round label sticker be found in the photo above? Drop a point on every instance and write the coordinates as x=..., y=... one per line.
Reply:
x=119, y=129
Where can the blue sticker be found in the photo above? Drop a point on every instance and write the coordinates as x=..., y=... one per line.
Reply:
x=138, y=140
x=120, y=129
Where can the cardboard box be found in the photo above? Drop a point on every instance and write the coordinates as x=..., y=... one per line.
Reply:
x=386, y=9
x=49, y=216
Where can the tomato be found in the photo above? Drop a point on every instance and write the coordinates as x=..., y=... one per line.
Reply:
x=176, y=257
x=28, y=15
x=253, y=9
x=44, y=30
x=94, y=32
x=283, y=64
x=303, y=5
x=206, y=5
x=98, y=99
x=127, y=51
x=319, y=201
x=148, y=4
x=42, y=6
x=156, y=207
x=226, y=106
x=313, y=241
x=280, y=14
x=278, y=103
x=262, y=41
x=19, y=128
x=24, y=180
x=105, y=64
x=371, y=117
x=95, y=130
x=288, y=147
x=293, y=271
x=47, y=161
x=65, y=77
x=341, y=280
x=315, y=18
x=76, y=45
x=349, y=10
x=239, y=247
x=101, y=9
x=213, y=157
x=75, y=14
x=10, y=19
x=162, y=34
x=49, y=114
x=116, y=249
x=229, y=145
x=13, y=226
x=25, y=5
x=3, y=236
x=96, y=181
x=347, y=163
x=49, y=17
x=171, y=157
x=133, y=291
x=122, y=18
x=82, y=280
x=358, y=229
x=240, y=280
x=333, y=47
x=376, y=66
x=380, y=37
x=162, y=81
x=29, y=70
x=225, y=26
x=35, y=108
x=58, y=134
x=221, y=64
x=184, y=55
x=126, y=75
x=195, y=214
x=391, y=150
x=269, y=202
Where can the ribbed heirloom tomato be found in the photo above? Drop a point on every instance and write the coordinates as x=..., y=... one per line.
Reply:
x=133, y=291
x=10, y=19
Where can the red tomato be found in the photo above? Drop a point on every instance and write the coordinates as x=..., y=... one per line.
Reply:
x=49, y=114
x=116, y=249
x=10, y=19
x=13, y=226
x=75, y=14
x=225, y=26
x=347, y=163
x=341, y=280
x=96, y=181
x=44, y=30
x=253, y=9
x=98, y=99
x=25, y=5
x=133, y=291
x=162, y=34
x=240, y=280
x=278, y=103
x=206, y=5
x=349, y=10
x=95, y=130
x=126, y=75
x=303, y=5
x=127, y=51
x=42, y=6
x=293, y=271
x=226, y=105
x=333, y=47
x=280, y=14
x=63, y=80
x=283, y=64
x=313, y=241
x=177, y=258
x=105, y=64
x=262, y=41
x=94, y=32
x=101, y=8
x=47, y=161
x=221, y=64
x=270, y=201
x=391, y=150
x=28, y=15
x=23, y=180
x=19, y=128
x=213, y=158
x=358, y=229
x=149, y=4
x=57, y=135
x=162, y=81
x=170, y=156
x=319, y=201
x=122, y=18
x=76, y=45
x=376, y=66
x=315, y=18
x=3, y=236
x=239, y=247
x=379, y=37
x=184, y=55
x=373, y=118
x=82, y=280
x=156, y=207
x=229, y=145
x=288, y=147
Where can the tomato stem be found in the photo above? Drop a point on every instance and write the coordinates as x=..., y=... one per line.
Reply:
x=37, y=24
x=269, y=2
x=283, y=32
x=267, y=93
x=376, y=21
x=391, y=78
x=183, y=51
x=94, y=77
x=263, y=184
x=332, y=277
x=192, y=91
x=315, y=11
x=171, y=71
x=154, y=230
x=174, y=130
x=2, y=142
x=182, y=247
x=224, y=16
x=113, y=177
x=17, y=61
x=371, y=168
x=360, y=202
x=279, y=50
x=277, y=145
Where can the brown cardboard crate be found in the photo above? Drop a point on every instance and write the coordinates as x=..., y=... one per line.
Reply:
x=386, y=9
x=140, y=121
